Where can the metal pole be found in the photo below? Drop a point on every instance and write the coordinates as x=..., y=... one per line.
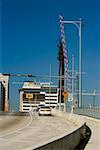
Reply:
x=78, y=24
x=65, y=90
x=72, y=82
x=35, y=102
x=94, y=94
x=30, y=103
x=80, y=64
x=50, y=86
x=60, y=90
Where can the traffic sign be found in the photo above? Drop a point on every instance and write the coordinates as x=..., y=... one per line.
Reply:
x=29, y=96
x=65, y=94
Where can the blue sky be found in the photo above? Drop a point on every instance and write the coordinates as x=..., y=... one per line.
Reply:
x=30, y=32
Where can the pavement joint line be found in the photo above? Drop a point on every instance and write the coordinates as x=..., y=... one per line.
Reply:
x=31, y=118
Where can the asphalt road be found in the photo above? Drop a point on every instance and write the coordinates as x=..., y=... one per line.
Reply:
x=20, y=132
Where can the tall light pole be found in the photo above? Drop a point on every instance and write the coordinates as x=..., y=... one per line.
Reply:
x=78, y=24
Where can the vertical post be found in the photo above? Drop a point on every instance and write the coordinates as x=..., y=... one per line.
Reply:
x=60, y=88
x=50, y=85
x=72, y=83
x=61, y=72
x=77, y=87
x=21, y=101
x=65, y=90
x=94, y=94
x=30, y=104
x=80, y=63
x=35, y=102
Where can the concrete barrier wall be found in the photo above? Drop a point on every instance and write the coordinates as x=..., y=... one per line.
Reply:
x=76, y=119
x=69, y=140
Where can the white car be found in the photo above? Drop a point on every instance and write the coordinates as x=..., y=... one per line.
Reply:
x=44, y=110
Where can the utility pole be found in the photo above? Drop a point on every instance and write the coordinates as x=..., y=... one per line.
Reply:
x=72, y=83
x=77, y=87
x=50, y=85
x=80, y=62
x=79, y=25
x=66, y=97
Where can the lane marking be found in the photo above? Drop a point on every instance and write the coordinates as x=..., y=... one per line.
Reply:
x=13, y=132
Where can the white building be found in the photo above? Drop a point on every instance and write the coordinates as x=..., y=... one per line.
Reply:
x=4, y=92
x=34, y=93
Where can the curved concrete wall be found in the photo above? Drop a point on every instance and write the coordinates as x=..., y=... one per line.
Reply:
x=69, y=140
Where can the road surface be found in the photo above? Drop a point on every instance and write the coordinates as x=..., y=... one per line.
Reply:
x=20, y=132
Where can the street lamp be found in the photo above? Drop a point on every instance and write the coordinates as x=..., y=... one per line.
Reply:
x=78, y=24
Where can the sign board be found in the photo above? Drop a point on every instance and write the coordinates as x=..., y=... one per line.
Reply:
x=65, y=94
x=70, y=97
x=29, y=95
